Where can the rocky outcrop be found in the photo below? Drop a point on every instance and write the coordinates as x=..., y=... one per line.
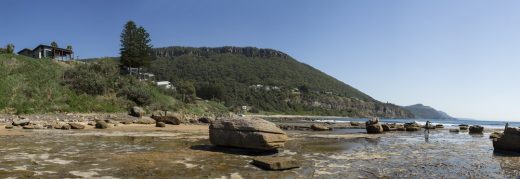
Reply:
x=508, y=141
x=412, y=126
x=373, y=126
x=476, y=129
x=137, y=111
x=275, y=163
x=495, y=135
x=318, y=127
x=426, y=112
x=389, y=127
x=250, y=133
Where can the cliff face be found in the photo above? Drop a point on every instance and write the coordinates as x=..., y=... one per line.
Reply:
x=426, y=112
x=354, y=107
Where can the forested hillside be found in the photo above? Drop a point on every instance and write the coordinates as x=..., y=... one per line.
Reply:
x=266, y=80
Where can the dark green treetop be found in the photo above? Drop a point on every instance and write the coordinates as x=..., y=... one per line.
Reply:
x=135, y=49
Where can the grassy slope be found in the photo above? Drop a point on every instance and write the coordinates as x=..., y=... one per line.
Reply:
x=30, y=85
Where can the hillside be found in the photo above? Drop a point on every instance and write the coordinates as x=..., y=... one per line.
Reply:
x=267, y=81
x=29, y=85
x=426, y=112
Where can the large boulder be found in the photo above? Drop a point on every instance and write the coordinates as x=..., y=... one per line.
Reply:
x=476, y=129
x=137, y=111
x=319, y=127
x=250, y=133
x=167, y=118
x=373, y=126
x=508, y=141
x=275, y=163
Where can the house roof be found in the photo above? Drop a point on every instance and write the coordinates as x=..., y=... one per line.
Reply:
x=25, y=49
x=48, y=46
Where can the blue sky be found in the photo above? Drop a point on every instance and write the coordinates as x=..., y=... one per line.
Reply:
x=458, y=56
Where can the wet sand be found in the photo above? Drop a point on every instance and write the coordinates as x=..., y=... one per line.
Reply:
x=184, y=151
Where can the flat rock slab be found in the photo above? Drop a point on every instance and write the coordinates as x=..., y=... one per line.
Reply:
x=276, y=163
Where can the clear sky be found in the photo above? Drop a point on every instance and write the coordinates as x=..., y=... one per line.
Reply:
x=462, y=57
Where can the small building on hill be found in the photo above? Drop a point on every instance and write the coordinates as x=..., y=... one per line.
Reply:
x=46, y=51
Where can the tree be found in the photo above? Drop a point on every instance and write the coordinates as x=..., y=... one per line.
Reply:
x=135, y=49
x=187, y=89
x=69, y=47
x=54, y=44
x=10, y=48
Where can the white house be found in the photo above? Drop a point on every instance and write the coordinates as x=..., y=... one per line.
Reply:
x=165, y=85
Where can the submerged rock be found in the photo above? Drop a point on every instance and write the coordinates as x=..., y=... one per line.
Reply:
x=160, y=124
x=476, y=129
x=137, y=111
x=373, y=126
x=250, y=133
x=275, y=163
x=454, y=130
x=318, y=127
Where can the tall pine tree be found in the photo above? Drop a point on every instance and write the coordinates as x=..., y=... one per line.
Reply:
x=135, y=49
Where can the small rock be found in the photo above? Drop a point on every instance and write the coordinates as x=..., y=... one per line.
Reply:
x=160, y=124
x=76, y=126
x=463, y=127
x=476, y=129
x=454, y=130
x=275, y=163
x=21, y=122
x=439, y=126
x=412, y=126
x=318, y=127
x=205, y=120
x=28, y=127
x=91, y=123
x=145, y=120
x=354, y=123
x=101, y=125
x=9, y=126
x=137, y=111
x=65, y=127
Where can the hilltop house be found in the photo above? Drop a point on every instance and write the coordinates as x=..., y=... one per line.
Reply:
x=46, y=51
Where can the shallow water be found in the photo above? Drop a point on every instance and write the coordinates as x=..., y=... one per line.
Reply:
x=336, y=154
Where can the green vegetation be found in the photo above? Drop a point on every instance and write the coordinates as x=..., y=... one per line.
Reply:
x=31, y=85
x=268, y=81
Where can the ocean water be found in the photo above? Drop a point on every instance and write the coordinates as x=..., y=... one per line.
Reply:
x=448, y=123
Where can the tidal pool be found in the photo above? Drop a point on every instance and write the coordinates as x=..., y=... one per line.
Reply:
x=333, y=154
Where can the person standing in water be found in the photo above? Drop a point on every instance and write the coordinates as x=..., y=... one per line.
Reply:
x=427, y=131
